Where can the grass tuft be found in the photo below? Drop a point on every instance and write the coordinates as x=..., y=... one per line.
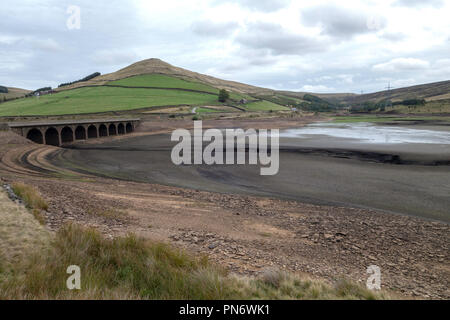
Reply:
x=30, y=196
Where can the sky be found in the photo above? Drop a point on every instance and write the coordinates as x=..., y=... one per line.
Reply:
x=315, y=46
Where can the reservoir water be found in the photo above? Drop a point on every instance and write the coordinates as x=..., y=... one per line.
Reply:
x=363, y=132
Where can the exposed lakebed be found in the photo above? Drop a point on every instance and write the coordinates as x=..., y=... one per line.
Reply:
x=400, y=169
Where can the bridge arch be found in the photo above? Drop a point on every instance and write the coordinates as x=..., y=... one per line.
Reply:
x=112, y=129
x=35, y=135
x=52, y=137
x=102, y=131
x=92, y=131
x=66, y=135
x=121, y=128
x=129, y=127
x=80, y=133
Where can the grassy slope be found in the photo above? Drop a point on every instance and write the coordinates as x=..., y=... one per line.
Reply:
x=435, y=106
x=264, y=106
x=105, y=99
x=207, y=110
x=163, y=81
x=101, y=99
x=20, y=233
x=13, y=93
x=429, y=92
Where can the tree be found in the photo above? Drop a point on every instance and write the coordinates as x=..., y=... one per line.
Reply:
x=223, y=95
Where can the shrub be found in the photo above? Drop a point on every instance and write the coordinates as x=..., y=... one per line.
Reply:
x=223, y=95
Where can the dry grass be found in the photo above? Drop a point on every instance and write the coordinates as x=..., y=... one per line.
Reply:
x=133, y=268
x=123, y=268
x=20, y=233
x=113, y=214
x=30, y=196
x=275, y=284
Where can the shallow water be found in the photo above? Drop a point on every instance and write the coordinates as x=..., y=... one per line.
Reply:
x=363, y=132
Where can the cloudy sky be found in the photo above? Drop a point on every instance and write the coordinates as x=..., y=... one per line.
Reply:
x=318, y=46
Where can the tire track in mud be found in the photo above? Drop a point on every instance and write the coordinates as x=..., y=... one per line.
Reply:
x=33, y=161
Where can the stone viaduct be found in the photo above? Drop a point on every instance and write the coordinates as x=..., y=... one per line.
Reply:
x=58, y=133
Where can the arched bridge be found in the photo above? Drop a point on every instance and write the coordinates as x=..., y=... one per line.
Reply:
x=57, y=133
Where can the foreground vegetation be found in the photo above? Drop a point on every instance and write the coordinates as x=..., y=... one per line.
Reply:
x=34, y=262
x=32, y=200
x=133, y=268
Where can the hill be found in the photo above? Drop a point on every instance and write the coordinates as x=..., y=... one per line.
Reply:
x=430, y=92
x=146, y=84
x=154, y=83
x=13, y=93
x=157, y=66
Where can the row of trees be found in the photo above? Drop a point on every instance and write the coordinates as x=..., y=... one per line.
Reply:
x=3, y=89
x=370, y=106
x=410, y=102
x=89, y=77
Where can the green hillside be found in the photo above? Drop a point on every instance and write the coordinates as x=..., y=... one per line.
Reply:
x=135, y=92
x=264, y=106
x=102, y=99
x=162, y=81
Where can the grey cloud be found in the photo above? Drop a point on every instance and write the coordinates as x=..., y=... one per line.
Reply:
x=46, y=45
x=210, y=28
x=259, y=5
x=402, y=64
x=394, y=37
x=108, y=57
x=278, y=41
x=341, y=22
x=55, y=54
x=419, y=3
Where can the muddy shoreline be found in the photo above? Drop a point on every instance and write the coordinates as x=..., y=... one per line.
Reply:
x=412, y=183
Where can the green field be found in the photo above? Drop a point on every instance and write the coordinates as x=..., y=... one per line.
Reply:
x=207, y=110
x=154, y=90
x=162, y=81
x=264, y=106
x=102, y=99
